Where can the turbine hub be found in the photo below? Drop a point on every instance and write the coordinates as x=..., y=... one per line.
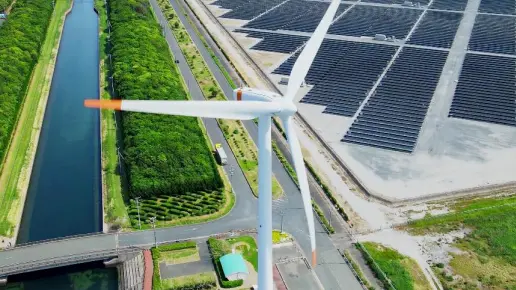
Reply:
x=287, y=108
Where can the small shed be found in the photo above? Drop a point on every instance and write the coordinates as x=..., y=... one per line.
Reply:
x=234, y=267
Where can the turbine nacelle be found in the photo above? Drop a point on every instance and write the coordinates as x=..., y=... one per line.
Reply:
x=285, y=106
x=250, y=94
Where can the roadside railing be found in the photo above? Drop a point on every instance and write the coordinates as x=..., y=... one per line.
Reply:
x=35, y=265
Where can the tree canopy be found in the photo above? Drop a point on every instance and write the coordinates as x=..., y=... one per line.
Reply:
x=21, y=37
x=164, y=155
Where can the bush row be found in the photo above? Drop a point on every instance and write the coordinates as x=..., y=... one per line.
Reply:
x=164, y=154
x=156, y=279
x=324, y=187
x=327, y=191
x=219, y=248
x=21, y=38
x=196, y=282
x=178, y=246
x=323, y=219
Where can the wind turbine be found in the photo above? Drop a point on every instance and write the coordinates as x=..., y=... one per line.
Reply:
x=252, y=103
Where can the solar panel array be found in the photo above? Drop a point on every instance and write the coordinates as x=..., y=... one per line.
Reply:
x=498, y=6
x=393, y=116
x=298, y=15
x=275, y=42
x=456, y=5
x=494, y=33
x=437, y=29
x=245, y=9
x=365, y=20
x=343, y=73
x=486, y=90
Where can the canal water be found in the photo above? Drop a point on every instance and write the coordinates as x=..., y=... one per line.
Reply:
x=64, y=196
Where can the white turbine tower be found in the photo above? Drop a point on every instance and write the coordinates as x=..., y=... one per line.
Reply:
x=252, y=103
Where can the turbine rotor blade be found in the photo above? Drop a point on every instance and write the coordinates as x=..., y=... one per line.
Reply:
x=307, y=56
x=299, y=165
x=206, y=109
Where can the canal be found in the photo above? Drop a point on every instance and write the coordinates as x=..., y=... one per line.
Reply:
x=64, y=196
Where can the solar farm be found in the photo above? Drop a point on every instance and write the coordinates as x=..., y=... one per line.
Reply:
x=417, y=98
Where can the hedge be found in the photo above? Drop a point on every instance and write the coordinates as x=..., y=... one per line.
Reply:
x=21, y=38
x=201, y=281
x=323, y=218
x=177, y=246
x=327, y=191
x=156, y=279
x=164, y=155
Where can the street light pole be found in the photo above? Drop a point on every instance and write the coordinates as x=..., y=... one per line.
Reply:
x=138, y=209
x=282, y=213
x=153, y=223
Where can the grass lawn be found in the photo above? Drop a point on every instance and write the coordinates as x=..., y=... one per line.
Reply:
x=280, y=237
x=198, y=281
x=14, y=179
x=402, y=271
x=115, y=209
x=488, y=255
x=238, y=138
x=247, y=246
x=180, y=256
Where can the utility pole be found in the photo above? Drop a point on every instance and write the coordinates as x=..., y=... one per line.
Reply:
x=282, y=213
x=138, y=209
x=153, y=223
x=330, y=217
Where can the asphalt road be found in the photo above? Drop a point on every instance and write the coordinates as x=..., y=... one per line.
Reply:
x=331, y=269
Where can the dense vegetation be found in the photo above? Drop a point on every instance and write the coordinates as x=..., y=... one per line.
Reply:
x=489, y=257
x=4, y=4
x=21, y=39
x=390, y=266
x=164, y=155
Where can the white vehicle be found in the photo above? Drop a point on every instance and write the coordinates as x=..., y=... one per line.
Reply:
x=221, y=154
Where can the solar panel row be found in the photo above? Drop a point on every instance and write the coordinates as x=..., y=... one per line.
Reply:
x=456, y=5
x=393, y=116
x=494, y=33
x=436, y=29
x=364, y=20
x=245, y=9
x=486, y=90
x=275, y=42
x=343, y=73
x=498, y=6
x=297, y=15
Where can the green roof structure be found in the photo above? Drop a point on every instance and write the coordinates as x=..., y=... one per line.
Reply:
x=233, y=264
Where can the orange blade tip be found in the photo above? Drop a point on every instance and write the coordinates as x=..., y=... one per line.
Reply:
x=314, y=258
x=103, y=104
